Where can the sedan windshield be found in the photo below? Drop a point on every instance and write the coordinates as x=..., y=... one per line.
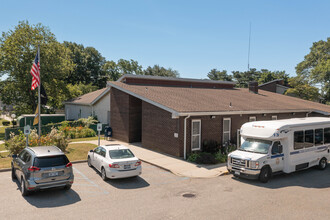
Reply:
x=121, y=154
x=256, y=146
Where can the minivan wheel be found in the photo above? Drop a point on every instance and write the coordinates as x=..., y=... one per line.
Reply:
x=23, y=188
x=265, y=174
x=67, y=187
x=89, y=162
x=323, y=164
x=103, y=174
x=13, y=175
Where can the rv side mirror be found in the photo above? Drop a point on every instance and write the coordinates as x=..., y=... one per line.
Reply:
x=91, y=151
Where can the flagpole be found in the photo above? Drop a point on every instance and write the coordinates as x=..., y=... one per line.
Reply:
x=39, y=102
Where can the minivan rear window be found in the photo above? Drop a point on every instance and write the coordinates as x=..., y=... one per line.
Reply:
x=52, y=161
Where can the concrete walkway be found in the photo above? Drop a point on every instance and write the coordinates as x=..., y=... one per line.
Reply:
x=173, y=164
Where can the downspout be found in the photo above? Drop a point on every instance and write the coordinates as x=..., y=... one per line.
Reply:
x=185, y=138
x=308, y=113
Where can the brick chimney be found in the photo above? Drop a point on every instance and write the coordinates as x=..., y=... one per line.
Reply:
x=253, y=87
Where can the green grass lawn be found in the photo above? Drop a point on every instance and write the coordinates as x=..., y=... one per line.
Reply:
x=74, y=152
x=2, y=147
x=87, y=139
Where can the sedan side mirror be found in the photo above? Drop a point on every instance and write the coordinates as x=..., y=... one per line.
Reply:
x=14, y=156
x=91, y=151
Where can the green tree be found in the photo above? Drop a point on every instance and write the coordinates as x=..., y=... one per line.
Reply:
x=88, y=65
x=243, y=78
x=18, y=48
x=79, y=89
x=113, y=71
x=215, y=74
x=302, y=89
x=267, y=76
x=316, y=66
x=157, y=70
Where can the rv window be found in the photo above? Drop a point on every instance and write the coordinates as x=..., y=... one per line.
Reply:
x=318, y=136
x=327, y=135
x=309, y=138
x=298, y=140
x=277, y=148
x=256, y=146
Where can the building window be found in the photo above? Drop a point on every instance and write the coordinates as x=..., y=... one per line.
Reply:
x=274, y=117
x=226, y=130
x=253, y=118
x=309, y=138
x=196, y=134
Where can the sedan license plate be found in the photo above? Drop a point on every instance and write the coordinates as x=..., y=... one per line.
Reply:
x=53, y=174
x=237, y=173
x=127, y=167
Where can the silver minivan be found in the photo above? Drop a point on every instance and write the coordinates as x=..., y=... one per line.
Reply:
x=39, y=168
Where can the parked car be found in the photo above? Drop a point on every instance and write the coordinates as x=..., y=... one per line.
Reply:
x=39, y=168
x=114, y=161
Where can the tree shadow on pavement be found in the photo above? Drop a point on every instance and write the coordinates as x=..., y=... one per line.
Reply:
x=50, y=198
x=310, y=178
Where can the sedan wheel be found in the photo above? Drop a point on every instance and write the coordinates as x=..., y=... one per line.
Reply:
x=13, y=175
x=103, y=174
x=89, y=162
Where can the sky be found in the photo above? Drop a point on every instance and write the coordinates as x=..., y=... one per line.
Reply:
x=191, y=37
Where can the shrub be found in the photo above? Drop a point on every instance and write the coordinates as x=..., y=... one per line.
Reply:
x=5, y=123
x=55, y=137
x=222, y=158
x=193, y=157
x=16, y=143
x=206, y=158
x=210, y=146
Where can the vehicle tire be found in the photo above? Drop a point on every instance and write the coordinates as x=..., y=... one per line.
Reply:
x=89, y=162
x=265, y=174
x=24, y=191
x=103, y=174
x=13, y=175
x=67, y=187
x=323, y=163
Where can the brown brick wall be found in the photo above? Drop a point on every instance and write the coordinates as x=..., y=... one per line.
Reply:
x=119, y=115
x=212, y=128
x=158, y=130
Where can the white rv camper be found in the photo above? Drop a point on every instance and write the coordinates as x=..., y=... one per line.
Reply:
x=281, y=146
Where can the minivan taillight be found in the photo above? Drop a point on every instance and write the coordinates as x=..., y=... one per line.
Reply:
x=114, y=165
x=33, y=168
x=138, y=163
x=68, y=165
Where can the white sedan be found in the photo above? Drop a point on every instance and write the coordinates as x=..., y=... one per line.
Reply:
x=114, y=161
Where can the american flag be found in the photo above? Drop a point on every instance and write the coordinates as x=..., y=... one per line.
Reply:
x=35, y=72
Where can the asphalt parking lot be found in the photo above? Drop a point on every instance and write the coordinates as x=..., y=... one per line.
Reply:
x=158, y=194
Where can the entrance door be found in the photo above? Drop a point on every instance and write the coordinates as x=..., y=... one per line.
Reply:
x=277, y=157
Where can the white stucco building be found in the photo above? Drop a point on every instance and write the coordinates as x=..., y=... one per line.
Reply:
x=95, y=103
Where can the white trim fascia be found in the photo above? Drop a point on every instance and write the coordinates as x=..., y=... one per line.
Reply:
x=144, y=99
x=72, y=103
x=275, y=80
x=174, y=79
x=321, y=112
x=100, y=96
x=249, y=112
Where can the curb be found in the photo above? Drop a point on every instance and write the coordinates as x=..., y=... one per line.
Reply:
x=5, y=170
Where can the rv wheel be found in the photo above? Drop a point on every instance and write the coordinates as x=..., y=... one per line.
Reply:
x=265, y=174
x=323, y=164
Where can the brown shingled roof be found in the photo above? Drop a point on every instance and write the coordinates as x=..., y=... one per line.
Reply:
x=87, y=99
x=218, y=100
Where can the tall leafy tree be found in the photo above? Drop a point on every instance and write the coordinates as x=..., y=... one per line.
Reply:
x=18, y=48
x=267, y=76
x=88, y=65
x=215, y=74
x=316, y=66
x=243, y=78
x=114, y=71
x=301, y=88
x=157, y=70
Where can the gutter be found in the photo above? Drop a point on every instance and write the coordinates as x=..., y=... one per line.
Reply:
x=185, y=138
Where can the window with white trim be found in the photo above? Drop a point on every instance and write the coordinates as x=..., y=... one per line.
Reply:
x=196, y=134
x=226, y=130
x=253, y=118
x=274, y=117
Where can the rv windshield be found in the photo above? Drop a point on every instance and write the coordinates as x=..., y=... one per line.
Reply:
x=255, y=146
